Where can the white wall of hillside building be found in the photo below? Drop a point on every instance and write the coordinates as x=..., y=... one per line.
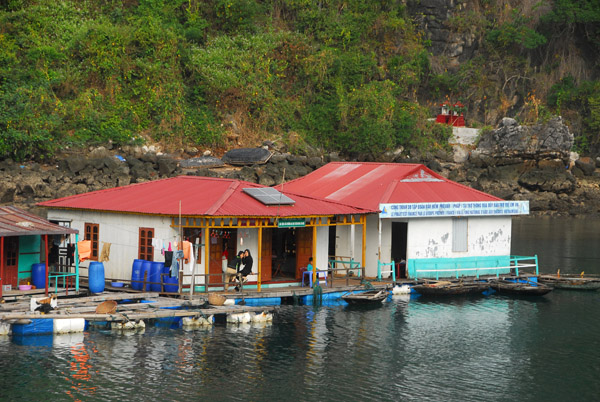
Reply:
x=432, y=237
x=427, y=238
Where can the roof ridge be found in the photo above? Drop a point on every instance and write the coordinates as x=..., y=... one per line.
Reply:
x=310, y=197
x=224, y=197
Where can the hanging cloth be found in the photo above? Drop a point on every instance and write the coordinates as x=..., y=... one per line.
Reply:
x=187, y=253
x=189, y=262
x=168, y=258
x=85, y=249
x=105, y=253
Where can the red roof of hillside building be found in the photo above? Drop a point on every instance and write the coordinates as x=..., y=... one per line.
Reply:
x=367, y=185
x=199, y=196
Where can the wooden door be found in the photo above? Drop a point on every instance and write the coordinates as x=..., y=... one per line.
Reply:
x=304, y=242
x=265, y=255
x=215, y=253
x=11, y=261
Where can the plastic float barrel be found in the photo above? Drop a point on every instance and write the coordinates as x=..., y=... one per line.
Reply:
x=146, y=268
x=136, y=274
x=174, y=287
x=96, y=277
x=38, y=275
x=156, y=269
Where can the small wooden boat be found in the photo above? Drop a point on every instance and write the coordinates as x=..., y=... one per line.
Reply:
x=524, y=287
x=367, y=297
x=571, y=281
x=447, y=288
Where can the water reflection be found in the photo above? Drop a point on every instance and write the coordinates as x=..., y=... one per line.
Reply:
x=413, y=349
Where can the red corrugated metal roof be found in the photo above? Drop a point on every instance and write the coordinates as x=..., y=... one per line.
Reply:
x=16, y=222
x=199, y=196
x=367, y=185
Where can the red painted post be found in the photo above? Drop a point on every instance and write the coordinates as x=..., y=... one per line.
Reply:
x=1, y=264
x=46, y=255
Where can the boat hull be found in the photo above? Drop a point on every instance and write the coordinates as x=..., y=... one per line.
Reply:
x=519, y=288
x=452, y=289
x=368, y=297
x=570, y=282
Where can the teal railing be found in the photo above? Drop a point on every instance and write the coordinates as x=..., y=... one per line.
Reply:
x=475, y=266
x=381, y=269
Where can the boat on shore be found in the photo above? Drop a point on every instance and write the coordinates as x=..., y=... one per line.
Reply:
x=373, y=296
x=520, y=287
x=448, y=288
x=570, y=281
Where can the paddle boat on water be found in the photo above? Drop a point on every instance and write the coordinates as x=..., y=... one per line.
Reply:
x=452, y=288
x=373, y=296
x=570, y=281
x=519, y=287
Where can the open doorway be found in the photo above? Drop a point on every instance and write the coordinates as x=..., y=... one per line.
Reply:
x=399, y=241
x=284, y=254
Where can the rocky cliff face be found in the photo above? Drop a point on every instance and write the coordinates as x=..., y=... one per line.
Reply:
x=511, y=162
x=533, y=163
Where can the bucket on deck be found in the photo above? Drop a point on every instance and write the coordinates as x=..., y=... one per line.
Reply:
x=96, y=277
x=136, y=274
x=156, y=269
x=38, y=275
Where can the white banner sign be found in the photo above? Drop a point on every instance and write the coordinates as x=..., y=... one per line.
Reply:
x=442, y=209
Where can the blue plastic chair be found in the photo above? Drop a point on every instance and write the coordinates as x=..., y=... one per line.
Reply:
x=320, y=275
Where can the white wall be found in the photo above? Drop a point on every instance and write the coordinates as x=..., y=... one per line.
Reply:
x=432, y=237
x=122, y=231
x=322, y=251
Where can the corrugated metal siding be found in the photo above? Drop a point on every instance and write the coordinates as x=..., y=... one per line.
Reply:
x=460, y=234
x=16, y=222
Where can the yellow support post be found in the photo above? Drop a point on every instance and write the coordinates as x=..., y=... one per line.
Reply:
x=363, y=219
x=259, y=258
x=314, y=251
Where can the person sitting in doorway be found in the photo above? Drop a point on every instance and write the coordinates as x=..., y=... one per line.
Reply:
x=247, y=262
x=231, y=273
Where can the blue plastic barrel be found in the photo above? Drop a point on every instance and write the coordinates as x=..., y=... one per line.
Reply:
x=155, y=274
x=136, y=274
x=38, y=275
x=171, y=288
x=96, y=277
x=146, y=268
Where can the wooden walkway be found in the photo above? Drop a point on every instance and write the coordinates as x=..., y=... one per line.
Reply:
x=130, y=309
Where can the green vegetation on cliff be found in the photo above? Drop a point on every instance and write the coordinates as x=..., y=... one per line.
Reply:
x=339, y=75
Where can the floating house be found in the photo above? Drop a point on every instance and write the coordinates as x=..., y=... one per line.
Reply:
x=217, y=218
x=427, y=226
x=26, y=248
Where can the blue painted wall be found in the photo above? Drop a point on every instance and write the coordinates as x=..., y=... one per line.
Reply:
x=29, y=254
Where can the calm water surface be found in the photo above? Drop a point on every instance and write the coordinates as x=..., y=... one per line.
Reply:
x=492, y=349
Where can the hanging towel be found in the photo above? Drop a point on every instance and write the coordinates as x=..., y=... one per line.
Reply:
x=85, y=249
x=187, y=246
x=105, y=253
x=190, y=262
x=174, y=269
x=170, y=249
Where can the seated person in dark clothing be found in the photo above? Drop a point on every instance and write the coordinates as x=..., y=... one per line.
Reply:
x=247, y=262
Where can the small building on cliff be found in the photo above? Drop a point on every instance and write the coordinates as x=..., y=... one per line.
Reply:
x=219, y=217
x=427, y=225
